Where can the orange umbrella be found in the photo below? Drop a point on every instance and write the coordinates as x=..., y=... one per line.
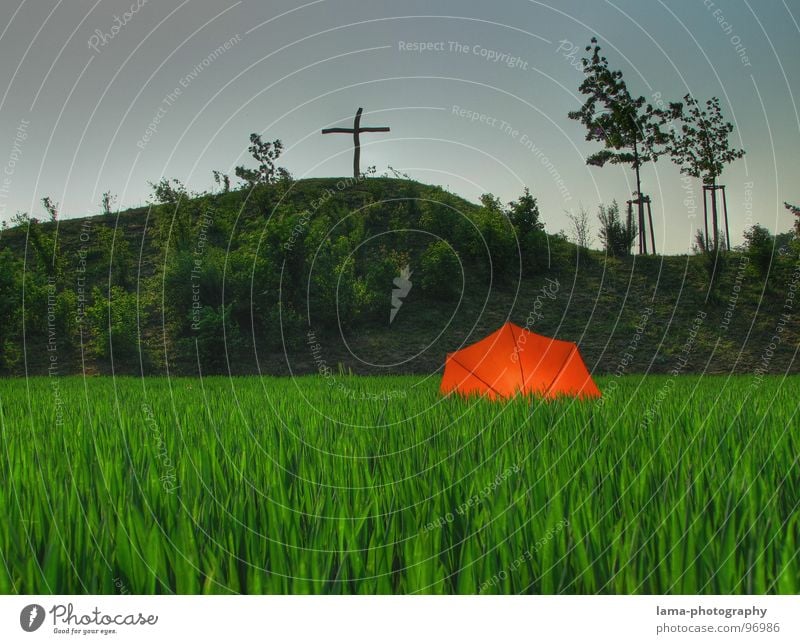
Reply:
x=513, y=360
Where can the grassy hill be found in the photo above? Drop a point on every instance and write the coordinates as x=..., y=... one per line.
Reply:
x=298, y=278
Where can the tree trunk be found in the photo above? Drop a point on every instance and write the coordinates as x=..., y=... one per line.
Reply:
x=639, y=204
x=705, y=213
x=714, y=221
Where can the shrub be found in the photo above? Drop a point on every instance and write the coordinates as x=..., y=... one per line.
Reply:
x=217, y=336
x=379, y=273
x=114, y=324
x=441, y=272
x=759, y=246
x=524, y=214
x=614, y=234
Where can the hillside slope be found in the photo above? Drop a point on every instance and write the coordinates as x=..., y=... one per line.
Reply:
x=300, y=278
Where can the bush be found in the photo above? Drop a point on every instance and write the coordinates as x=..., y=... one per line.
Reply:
x=759, y=246
x=524, y=214
x=493, y=245
x=114, y=324
x=217, y=337
x=713, y=260
x=614, y=234
x=379, y=273
x=535, y=247
x=332, y=284
x=441, y=272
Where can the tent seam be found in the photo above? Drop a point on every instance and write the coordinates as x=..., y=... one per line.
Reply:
x=475, y=374
x=519, y=362
x=564, y=364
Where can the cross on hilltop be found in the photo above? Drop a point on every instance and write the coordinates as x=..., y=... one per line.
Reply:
x=355, y=131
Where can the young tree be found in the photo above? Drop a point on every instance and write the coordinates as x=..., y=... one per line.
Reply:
x=222, y=179
x=266, y=153
x=616, y=237
x=51, y=207
x=441, y=273
x=22, y=219
x=107, y=202
x=524, y=216
x=524, y=213
x=490, y=202
x=580, y=228
x=629, y=128
x=699, y=145
x=795, y=210
x=169, y=192
x=759, y=246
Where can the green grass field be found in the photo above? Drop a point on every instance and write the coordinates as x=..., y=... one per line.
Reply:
x=379, y=485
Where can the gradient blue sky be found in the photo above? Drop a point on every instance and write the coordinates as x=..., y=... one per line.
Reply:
x=293, y=68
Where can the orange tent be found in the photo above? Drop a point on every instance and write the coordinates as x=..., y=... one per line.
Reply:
x=513, y=360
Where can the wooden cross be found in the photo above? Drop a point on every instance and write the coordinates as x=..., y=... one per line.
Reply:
x=355, y=131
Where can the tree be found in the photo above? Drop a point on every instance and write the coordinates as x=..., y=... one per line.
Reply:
x=51, y=207
x=581, y=230
x=490, y=202
x=107, y=202
x=222, y=179
x=628, y=127
x=266, y=153
x=494, y=244
x=442, y=273
x=169, y=192
x=759, y=246
x=115, y=322
x=614, y=234
x=700, y=147
x=524, y=213
x=795, y=210
x=11, y=274
x=22, y=220
x=178, y=215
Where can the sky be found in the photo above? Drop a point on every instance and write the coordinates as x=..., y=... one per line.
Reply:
x=108, y=95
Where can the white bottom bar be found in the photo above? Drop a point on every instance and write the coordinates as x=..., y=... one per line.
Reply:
x=389, y=619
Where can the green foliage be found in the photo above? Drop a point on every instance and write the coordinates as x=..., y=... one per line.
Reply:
x=216, y=338
x=490, y=202
x=51, y=207
x=107, y=203
x=580, y=229
x=628, y=127
x=332, y=286
x=447, y=222
x=22, y=220
x=169, y=192
x=111, y=257
x=441, y=271
x=222, y=180
x=334, y=245
x=699, y=141
x=46, y=258
x=179, y=216
x=313, y=485
x=375, y=286
x=714, y=260
x=494, y=247
x=10, y=307
x=115, y=323
x=795, y=210
x=524, y=214
x=266, y=154
x=759, y=246
x=614, y=234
